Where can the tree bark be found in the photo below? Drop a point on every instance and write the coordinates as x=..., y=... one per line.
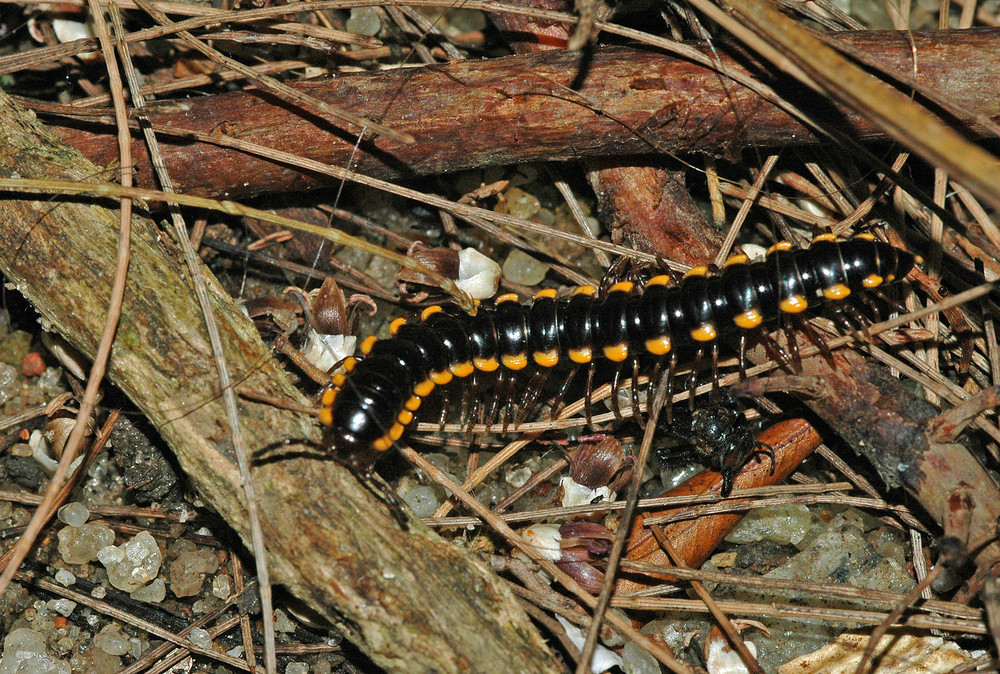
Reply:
x=411, y=601
x=536, y=107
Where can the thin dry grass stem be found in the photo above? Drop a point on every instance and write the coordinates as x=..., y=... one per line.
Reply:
x=225, y=380
x=624, y=526
x=516, y=540
x=903, y=516
x=164, y=656
x=919, y=561
x=58, y=483
x=721, y=619
x=933, y=380
x=127, y=618
x=865, y=207
x=278, y=88
x=577, y=212
x=233, y=208
x=330, y=34
x=656, y=502
x=831, y=190
x=179, y=84
x=773, y=204
x=245, y=627
x=978, y=213
x=826, y=590
x=694, y=512
x=763, y=611
x=715, y=192
x=835, y=76
x=752, y=194
x=883, y=627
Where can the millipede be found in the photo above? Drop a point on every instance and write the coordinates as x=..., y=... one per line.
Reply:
x=375, y=397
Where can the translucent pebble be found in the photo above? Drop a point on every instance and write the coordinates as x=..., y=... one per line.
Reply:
x=364, y=21
x=221, y=587
x=518, y=477
x=638, y=660
x=200, y=637
x=188, y=571
x=467, y=20
x=6, y=510
x=99, y=592
x=282, y=623
x=74, y=514
x=521, y=204
x=297, y=668
x=153, y=593
x=784, y=525
x=519, y=267
x=112, y=640
x=112, y=554
x=8, y=382
x=423, y=501
x=478, y=275
x=65, y=578
x=82, y=544
x=63, y=607
x=139, y=562
x=24, y=653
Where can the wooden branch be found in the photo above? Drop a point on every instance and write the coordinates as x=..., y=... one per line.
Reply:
x=412, y=602
x=534, y=107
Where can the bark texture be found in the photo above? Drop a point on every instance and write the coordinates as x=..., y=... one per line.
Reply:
x=411, y=601
x=535, y=107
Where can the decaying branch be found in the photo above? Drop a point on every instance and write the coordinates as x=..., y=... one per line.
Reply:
x=411, y=601
x=533, y=107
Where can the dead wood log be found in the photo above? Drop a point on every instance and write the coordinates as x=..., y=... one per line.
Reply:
x=412, y=602
x=535, y=107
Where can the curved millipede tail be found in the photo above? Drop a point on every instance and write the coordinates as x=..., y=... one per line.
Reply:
x=369, y=405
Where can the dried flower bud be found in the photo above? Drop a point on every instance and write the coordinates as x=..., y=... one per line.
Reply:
x=593, y=464
x=329, y=309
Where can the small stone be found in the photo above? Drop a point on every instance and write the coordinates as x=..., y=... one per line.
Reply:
x=364, y=21
x=422, y=499
x=188, y=571
x=24, y=652
x=297, y=668
x=519, y=203
x=133, y=564
x=221, y=587
x=99, y=592
x=282, y=623
x=200, y=637
x=521, y=268
x=638, y=660
x=73, y=514
x=112, y=640
x=6, y=510
x=63, y=607
x=784, y=525
x=82, y=544
x=153, y=593
x=65, y=578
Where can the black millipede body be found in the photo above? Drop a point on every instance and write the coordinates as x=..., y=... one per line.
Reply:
x=369, y=406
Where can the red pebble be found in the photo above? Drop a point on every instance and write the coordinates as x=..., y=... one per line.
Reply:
x=32, y=365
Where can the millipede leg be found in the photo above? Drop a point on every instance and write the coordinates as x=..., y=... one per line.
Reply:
x=588, y=396
x=557, y=403
x=743, y=355
x=636, y=412
x=444, y=407
x=508, y=410
x=819, y=341
x=615, y=403
x=793, y=344
x=715, y=373
x=693, y=379
x=669, y=389
x=534, y=388
x=494, y=408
